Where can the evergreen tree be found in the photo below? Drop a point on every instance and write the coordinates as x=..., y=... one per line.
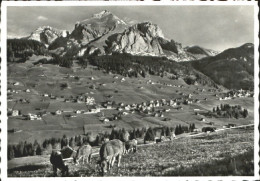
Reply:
x=113, y=134
x=64, y=141
x=149, y=135
x=245, y=113
x=38, y=150
x=10, y=152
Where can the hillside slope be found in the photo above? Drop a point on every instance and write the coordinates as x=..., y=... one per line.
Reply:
x=233, y=68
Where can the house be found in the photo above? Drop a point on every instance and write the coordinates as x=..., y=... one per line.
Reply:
x=94, y=109
x=107, y=105
x=196, y=130
x=45, y=95
x=33, y=117
x=78, y=111
x=16, y=83
x=27, y=90
x=188, y=101
x=90, y=101
x=123, y=79
x=103, y=119
x=58, y=112
x=120, y=109
x=127, y=108
x=13, y=113
x=53, y=97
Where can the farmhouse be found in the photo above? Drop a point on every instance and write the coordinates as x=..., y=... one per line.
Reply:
x=107, y=105
x=94, y=109
x=90, y=100
x=58, y=112
x=202, y=119
x=33, y=117
x=14, y=113
x=53, y=97
x=78, y=111
x=16, y=83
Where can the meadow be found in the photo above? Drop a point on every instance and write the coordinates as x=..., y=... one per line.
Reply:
x=222, y=153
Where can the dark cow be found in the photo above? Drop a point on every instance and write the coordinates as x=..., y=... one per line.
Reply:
x=131, y=146
x=57, y=160
x=58, y=163
x=85, y=153
x=109, y=152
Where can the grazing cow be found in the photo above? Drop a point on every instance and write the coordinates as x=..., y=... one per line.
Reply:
x=131, y=145
x=109, y=152
x=85, y=153
x=57, y=160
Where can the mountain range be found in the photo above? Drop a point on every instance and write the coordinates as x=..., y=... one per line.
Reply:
x=107, y=34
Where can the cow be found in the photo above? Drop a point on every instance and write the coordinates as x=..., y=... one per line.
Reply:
x=109, y=152
x=130, y=145
x=85, y=153
x=58, y=157
x=57, y=162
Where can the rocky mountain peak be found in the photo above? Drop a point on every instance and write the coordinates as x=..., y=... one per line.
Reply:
x=97, y=26
x=148, y=28
x=47, y=34
x=101, y=14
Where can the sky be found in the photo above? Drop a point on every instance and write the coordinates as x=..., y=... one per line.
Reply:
x=213, y=27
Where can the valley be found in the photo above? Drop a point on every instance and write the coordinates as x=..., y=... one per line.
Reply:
x=46, y=96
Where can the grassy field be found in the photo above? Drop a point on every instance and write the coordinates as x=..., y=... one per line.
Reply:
x=222, y=153
x=41, y=79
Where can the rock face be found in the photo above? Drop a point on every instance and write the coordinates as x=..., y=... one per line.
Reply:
x=146, y=39
x=47, y=34
x=140, y=38
x=95, y=27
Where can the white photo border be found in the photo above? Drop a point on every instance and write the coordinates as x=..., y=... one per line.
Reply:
x=3, y=118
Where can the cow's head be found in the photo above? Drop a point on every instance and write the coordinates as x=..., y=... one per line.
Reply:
x=103, y=165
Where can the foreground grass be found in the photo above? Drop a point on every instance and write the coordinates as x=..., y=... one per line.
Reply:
x=217, y=154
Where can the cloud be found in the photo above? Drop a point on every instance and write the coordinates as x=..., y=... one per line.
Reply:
x=42, y=18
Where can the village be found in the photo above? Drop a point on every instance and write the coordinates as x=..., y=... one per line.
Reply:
x=153, y=108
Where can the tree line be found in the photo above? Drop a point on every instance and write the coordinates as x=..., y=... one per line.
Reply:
x=24, y=148
x=133, y=66
x=228, y=111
